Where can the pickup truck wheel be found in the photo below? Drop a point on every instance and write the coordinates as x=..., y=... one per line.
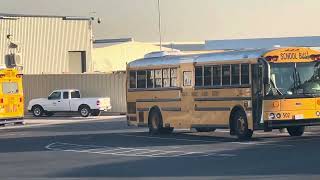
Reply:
x=37, y=111
x=95, y=112
x=84, y=111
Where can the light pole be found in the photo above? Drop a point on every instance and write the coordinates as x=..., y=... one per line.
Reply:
x=159, y=25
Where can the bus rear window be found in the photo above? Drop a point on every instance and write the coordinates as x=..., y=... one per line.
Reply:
x=10, y=88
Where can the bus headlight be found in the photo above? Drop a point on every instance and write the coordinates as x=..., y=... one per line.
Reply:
x=272, y=116
x=318, y=113
x=278, y=116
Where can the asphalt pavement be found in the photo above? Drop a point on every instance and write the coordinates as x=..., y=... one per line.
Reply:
x=105, y=147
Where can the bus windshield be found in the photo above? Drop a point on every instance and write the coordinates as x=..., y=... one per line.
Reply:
x=295, y=79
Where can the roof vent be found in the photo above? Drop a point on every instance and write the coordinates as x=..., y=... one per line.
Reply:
x=163, y=53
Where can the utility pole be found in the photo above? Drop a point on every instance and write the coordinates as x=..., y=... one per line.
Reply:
x=159, y=25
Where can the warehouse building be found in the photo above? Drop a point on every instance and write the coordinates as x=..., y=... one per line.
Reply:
x=47, y=44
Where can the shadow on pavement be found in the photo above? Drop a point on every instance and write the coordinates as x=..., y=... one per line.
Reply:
x=298, y=158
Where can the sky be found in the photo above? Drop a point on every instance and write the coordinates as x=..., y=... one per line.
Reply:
x=184, y=20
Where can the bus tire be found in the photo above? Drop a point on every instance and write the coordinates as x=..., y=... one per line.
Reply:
x=37, y=111
x=155, y=122
x=240, y=125
x=96, y=112
x=205, y=129
x=84, y=111
x=296, y=130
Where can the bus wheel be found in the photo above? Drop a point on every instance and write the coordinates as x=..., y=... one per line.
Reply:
x=37, y=111
x=155, y=123
x=296, y=130
x=240, y=125
x=205, y=129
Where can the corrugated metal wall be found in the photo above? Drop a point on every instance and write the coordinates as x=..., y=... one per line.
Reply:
x=44, y=42
x=90, y=85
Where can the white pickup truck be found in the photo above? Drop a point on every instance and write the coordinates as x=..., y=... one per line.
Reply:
x=68, y=100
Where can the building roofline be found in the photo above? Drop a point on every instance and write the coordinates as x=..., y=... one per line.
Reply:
x=46, y=16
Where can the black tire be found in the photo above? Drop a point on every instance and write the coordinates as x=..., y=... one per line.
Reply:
x=240, y=125
x=49, y=114
x=155, y=122
x=296, y=130
x=96, y=113
x=205, y=129
x=37, y=111
x=84, y=111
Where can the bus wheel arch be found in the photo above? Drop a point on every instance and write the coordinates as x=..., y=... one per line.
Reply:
x=238, y=123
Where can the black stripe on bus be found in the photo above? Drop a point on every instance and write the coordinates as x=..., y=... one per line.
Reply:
x=171, y=109
x=212, y=109
x=154, y=89
x=142, y=109
x=159, y=100
x=223, y=99
x=222, y=87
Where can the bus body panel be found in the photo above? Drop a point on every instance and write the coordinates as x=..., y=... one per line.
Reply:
x=11, y=95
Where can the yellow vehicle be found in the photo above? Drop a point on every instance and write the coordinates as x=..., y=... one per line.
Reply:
x=11, y=97
x=243, y=91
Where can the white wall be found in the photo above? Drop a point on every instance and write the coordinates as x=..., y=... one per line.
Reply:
x=44, y=42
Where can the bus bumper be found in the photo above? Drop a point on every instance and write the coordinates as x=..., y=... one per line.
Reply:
x=19, y=120
x=278, y=124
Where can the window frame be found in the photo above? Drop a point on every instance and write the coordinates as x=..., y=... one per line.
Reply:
x=50, y=98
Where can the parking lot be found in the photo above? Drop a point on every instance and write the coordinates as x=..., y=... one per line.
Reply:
x=105, y=147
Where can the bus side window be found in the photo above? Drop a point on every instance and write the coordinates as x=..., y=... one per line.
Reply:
x=199, y=76
x=207, y=76
x=133, y=80
x=245, y=74
x=141, y=79
x=235, y=72
x=158, y=78
x=226, y=75
x=173, y=76
x=150, y=78
x=216, y=75
x=166, y=77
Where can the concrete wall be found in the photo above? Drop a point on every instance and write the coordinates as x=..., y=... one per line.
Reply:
x=44, y=42
x=90, y=85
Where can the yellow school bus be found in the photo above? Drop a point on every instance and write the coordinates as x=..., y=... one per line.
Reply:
x=11, y=97
x=243, y=91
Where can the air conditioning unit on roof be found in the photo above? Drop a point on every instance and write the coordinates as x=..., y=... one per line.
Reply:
x=163, y=53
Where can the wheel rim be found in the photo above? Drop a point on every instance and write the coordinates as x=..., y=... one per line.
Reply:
x=37, y=111
x=155, y=122
x=84, y=111
x=241, y=125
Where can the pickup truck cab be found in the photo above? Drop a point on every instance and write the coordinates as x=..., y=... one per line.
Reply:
x=68, y=100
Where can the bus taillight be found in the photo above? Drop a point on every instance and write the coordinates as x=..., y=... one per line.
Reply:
x=20, y=99
x=1, y=100
x=98, y=103
x=2, y=75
